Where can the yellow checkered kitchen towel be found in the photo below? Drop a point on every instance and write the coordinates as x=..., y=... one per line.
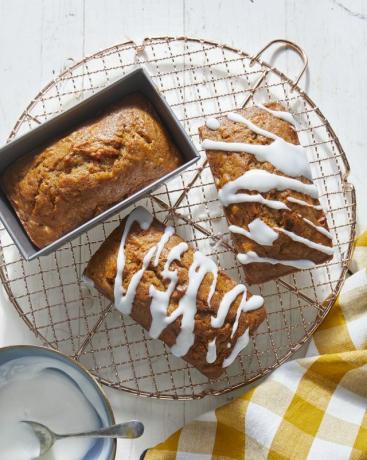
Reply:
x=314, y=408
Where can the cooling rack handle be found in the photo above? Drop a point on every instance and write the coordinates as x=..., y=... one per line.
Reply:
x=288, y=44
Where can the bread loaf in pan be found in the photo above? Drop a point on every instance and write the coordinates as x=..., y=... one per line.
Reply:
x=107, y=159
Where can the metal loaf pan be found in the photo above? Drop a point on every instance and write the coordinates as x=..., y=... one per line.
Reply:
x=136, y=81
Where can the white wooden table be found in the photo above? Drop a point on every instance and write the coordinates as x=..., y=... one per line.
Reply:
x=40, y=38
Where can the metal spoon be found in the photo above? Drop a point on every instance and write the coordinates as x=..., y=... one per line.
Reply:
x=47, y=438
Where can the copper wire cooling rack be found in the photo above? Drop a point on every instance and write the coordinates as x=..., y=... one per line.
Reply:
x=199, y=79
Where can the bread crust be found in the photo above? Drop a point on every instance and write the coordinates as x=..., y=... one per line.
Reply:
x=101, y=270
x=228, y=166
x=84, y=173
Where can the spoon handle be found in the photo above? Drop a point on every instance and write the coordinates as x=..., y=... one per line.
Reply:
x=132, y=429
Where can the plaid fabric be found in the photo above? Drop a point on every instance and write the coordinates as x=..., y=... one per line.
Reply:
x=314, y=408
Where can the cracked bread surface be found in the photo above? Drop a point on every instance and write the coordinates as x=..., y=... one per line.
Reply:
x=101, y=270
x=94, y=167
x=228, y=166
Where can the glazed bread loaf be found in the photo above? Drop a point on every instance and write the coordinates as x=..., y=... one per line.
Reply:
x=84, y=173
x=264, y=182
x=175, y=293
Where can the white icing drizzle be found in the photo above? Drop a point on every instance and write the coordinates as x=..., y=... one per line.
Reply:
x=292, y=161
x=264, y=235
x=289, y=158
x=261, y=181
x=241, y=343
x=226, y=302
x=212, y=123
x=320, y=229
x=160, y=299
x=253, y=303
x=211, y=354
x=187, y=306
x=304, y=203
x=124, y=299
x=258, y=231
x=237, y=118
x=227, y=198
x=168, y=232
x=281, y=114
x=307, y=242
x=251, y=257
x=214, y=282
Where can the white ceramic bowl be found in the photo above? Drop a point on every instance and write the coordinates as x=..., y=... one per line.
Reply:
x=102, y=449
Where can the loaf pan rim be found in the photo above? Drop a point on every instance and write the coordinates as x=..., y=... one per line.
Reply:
x=143, y=85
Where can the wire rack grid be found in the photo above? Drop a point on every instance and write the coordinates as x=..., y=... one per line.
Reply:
x=199, y=79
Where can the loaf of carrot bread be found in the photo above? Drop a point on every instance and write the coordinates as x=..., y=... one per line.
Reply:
x=264, y=182
x=81, y=175
x=175, y=293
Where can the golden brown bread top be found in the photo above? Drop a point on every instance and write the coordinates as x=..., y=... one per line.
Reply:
x=84, y=173
x=228, y=166
x=102, y=268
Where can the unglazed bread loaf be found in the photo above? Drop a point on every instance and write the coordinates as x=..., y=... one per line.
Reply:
x=264, y=182
x=86, y=172
x=175, y=293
